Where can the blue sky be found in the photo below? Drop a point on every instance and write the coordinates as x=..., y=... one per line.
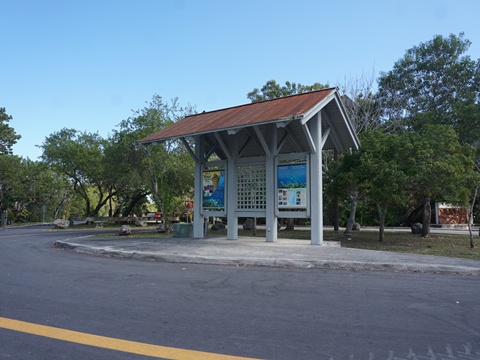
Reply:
x=87, y=64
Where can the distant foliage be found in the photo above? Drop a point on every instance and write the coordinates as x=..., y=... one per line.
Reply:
x=272, y=90
x=8, y=136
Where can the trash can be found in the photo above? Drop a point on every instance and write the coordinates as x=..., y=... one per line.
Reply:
x=182, y=230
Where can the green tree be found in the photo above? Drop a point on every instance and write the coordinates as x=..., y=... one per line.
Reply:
x=433, y=83
x=376, y=171
x=52, y=190
x=9, y=166
x=390, y=168
x=438, y=165
x=342, y=183
x=122, y=161
x=381, y=172
x=166, y=169
x=80, y=156
x=38, y=186
x=21, y=186
x=8, y=137
x=364, y=109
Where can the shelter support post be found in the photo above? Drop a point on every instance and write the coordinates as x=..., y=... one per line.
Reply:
x=316, y=191
x=270, y=206
x=198, y=195
x=232, y=193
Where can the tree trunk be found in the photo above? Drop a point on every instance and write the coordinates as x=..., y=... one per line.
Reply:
x=110, y=207
x=133, y=201
x=382, y=214
x=470, y=217
x=159, y=202
x=58, y=207
x=427, y=215
x=101, y=203
x=353, y=209
x=80, y=189
x=290, y=224
x=336, y=225
x=472, y=244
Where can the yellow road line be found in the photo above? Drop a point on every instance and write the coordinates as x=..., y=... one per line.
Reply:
x=110, y=343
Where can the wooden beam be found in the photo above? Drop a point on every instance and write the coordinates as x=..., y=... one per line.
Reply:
x=282, y=141
x=262, y=140
x=244, y=146
x=325, y=135
x=333, y=135
x=253, y=138
x=293, y=140
x=210, y=152
x=189, y=149
x=222, y=145
x=308, y=136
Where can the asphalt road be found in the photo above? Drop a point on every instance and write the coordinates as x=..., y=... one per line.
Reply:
x=255, y=312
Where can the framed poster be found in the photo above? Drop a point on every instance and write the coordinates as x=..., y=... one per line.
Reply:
x=213, y=189
x=292, y=186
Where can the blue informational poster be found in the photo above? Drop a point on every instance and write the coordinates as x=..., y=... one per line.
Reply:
x=214, y=189
x=292, y=186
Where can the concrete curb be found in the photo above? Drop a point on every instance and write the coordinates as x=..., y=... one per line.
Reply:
x=399, y=265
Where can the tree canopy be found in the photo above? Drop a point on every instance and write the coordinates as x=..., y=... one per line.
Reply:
x=273, y=90
x=8, y=136
x=80, y=157
x=438, y=166
x=433, y=83
x=165, y=169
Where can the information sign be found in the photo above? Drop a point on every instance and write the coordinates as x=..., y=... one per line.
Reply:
x=292, y=186
x=213, y=189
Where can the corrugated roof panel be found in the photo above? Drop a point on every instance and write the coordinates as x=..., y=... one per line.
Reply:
x=241, y=116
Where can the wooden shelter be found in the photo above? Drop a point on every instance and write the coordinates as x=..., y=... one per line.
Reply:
x=263, y=159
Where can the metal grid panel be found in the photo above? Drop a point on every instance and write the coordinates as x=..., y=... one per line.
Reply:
x=251, y=187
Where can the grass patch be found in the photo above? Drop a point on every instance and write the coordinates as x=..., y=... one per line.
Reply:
x=457, y=246
x=401, y=241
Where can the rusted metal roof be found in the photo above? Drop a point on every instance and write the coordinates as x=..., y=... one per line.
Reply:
x=286, y=108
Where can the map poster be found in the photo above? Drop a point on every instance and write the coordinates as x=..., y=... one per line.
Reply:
x=213, y=189
x=292, y=186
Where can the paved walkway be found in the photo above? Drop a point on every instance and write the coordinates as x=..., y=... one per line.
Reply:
x=257, y=252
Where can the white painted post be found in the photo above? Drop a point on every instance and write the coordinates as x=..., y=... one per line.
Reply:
x=232, y=193
x=270, y=206
x=198, y=189
x=316, y=192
